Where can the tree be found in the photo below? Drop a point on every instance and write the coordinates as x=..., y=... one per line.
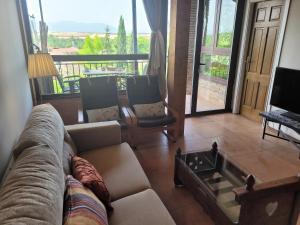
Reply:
x=88, y=47
x=98, y=44
x=130, y=44
x=106, y=43
x=143, y=45
x=121, y=37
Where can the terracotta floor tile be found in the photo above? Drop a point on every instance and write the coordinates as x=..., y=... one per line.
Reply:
x=238, y=138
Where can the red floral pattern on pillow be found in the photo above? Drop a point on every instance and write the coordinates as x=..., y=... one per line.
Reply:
x=86, y=173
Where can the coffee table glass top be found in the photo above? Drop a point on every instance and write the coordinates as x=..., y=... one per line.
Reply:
x=220, y=177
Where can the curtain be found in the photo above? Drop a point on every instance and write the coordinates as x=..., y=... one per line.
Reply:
x=157, y=59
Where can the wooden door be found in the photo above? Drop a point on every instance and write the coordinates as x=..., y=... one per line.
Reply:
x=265, y=30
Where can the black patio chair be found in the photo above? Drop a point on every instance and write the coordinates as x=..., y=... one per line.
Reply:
x=99, y=93
x=145, y=90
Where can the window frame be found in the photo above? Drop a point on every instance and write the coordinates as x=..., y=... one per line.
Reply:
x=214, y=47
x=135, y=56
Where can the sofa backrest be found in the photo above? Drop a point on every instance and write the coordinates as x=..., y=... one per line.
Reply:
x=44, y=127
x=33, y=191
x=34, y=188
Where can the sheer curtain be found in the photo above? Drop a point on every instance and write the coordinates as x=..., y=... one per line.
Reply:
x=157, y=59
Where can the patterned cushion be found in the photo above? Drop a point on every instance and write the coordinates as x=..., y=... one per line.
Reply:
x=81, y=206
x=86, y=173
x=150, y=110
x=104, y=114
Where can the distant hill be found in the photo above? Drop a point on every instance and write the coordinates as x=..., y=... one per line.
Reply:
x=71, y=26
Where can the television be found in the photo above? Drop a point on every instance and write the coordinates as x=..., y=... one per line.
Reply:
x=286, y=92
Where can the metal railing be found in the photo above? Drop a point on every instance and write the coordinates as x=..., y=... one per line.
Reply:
x=73, y=67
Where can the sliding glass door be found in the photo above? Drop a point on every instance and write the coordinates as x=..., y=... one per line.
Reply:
x=213, y=67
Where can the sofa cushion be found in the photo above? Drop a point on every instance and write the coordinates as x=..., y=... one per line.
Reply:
x=119, y=168
x=33, y=191
x=68, y=139
x=89, y=136
x=44, y=127
x=86, y=173
x=69, y=150
x=68, y=153
x=142, y=208
x=81, y=206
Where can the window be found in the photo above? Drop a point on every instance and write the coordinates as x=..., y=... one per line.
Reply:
x=143, y=29
x=227, y=18
x=219, y=19
x=91, y=27
x=209, y=22
x=88, y=39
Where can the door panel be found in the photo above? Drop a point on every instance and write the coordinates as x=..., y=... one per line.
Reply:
x=258, y=35
x=265, y=27
x=269, y=52
x=261, y=97
x=248, y=93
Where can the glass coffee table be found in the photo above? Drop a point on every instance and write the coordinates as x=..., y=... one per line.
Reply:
x=227, y=193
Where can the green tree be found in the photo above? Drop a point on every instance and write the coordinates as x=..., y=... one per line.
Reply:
x=143, y=44
x=88, y=47
x=130, y=44
x=107, y=46
x=121, y=37
x=98, y=44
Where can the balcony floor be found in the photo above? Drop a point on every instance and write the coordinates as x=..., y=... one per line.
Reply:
x=211, y=96
x=238, y=138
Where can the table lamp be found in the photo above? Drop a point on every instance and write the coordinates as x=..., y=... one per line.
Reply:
x=40, y=65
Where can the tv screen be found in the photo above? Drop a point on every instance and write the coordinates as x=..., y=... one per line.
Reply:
x=286, y=90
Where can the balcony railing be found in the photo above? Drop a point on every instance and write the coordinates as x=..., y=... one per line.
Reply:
x=73, y=67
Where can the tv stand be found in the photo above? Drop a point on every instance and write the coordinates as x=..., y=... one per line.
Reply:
x=282, y=118
x=292, y=116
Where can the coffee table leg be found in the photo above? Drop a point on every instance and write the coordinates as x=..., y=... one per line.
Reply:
x=177, y=181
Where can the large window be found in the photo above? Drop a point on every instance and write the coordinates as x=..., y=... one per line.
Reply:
x=91, y=27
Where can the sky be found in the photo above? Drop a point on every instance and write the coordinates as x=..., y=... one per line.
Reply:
x=91, y=11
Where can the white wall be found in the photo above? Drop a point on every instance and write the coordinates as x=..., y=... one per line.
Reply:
x=290, y=51
x=15, y=96
x=290, y=55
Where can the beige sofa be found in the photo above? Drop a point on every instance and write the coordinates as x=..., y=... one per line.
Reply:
x=133, y=199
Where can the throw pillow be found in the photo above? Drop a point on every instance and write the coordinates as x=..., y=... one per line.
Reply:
x=104, y=114
x=81, y=206
x=150, y=110
x=86, y=173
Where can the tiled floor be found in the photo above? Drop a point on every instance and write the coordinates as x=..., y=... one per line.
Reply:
x=239, y=139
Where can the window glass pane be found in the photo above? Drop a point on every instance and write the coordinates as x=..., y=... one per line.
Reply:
x=34, y=17
x=214, y=73
x=209, y=22
x=226, y=24
x=143, y=29
x=84, y=27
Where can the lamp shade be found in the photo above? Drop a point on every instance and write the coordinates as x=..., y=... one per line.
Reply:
x=41, y=65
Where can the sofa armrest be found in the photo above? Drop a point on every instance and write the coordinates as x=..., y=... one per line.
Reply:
x=89, y=136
